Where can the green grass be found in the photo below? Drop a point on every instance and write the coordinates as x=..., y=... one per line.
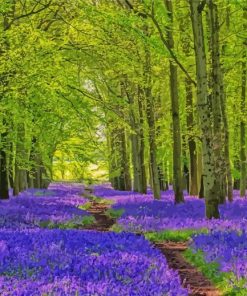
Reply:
x=72, y=224
x=99, y=200
x=116, y=228
x=86, y=206
x=173, y=235
x=226, y=282
x=115, y=214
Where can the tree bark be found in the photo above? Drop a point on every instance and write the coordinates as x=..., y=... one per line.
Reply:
x=4, y=190
x=177, y=151
x=20, y=180
x=136, y=142
x=216, y=100
x=152, y=132
x=242, y=122
x=141, y=98
x=193, y=187
x=211, y=187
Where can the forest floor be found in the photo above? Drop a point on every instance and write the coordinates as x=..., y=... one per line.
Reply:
x=67, y=240
x=191, y=278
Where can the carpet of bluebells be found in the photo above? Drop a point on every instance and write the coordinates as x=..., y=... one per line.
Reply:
x=73, y=262
x=54, y=262
x=143, y=213
x=228, y=249
x=58, y=204
x=37, y=261
x=226, y=240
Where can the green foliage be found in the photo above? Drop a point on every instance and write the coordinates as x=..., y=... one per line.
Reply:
x=115, y=214
x=173, y=235
x=72, y=224
x=86, y=206
x=116, y=228
x=96, y=199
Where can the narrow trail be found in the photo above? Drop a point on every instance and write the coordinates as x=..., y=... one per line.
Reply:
x=191, y=277
x=98, y=211
x=103, y=222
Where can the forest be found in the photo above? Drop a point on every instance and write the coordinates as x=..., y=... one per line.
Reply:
x=123, y=165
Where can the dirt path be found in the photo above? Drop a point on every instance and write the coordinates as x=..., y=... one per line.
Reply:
x=191, y=278
x=98, y=211
x=103, y=222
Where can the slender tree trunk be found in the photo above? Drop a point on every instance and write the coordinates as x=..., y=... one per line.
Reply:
x=125, y=169
x=242, y=123
x=32, y=158
x=4, y=190
x=135, y=138
x=193, y=187
x=143, y=188
x=16, y=189
x=152, y=132
x=119, y=160
x=193, y=167
x=10, y=165
x=201, y=192
x=177, y=151
x=37, y=172
x=217, y=88
x=20, y=181
x=211, y=186
x=152, y=147
x=228, y=175
x=243, y=134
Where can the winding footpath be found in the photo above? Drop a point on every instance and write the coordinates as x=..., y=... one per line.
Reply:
x=191, y=277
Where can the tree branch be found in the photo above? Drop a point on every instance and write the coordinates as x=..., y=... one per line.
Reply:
x=163, y=39
x=94, y=99
x=32, y=12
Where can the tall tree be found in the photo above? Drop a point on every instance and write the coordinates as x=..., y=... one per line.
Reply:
x=210, y=181
x=243, y=114
x=177, y=151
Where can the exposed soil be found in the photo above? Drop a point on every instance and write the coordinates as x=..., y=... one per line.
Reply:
x=191, y=278
x=103, y=222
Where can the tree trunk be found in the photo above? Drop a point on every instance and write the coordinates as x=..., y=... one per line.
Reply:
x=190, y=122
x=177, y=168
x=211, y=187
x=20, y=180
x=217, y=88
x=193, y=187
x=118, y=159
x=141, y=97
x=152, y=147
x=152, y=133
x=242, y=122
x=125, y=174
x=136, y=142
x=228, y=174
x=4, y=190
